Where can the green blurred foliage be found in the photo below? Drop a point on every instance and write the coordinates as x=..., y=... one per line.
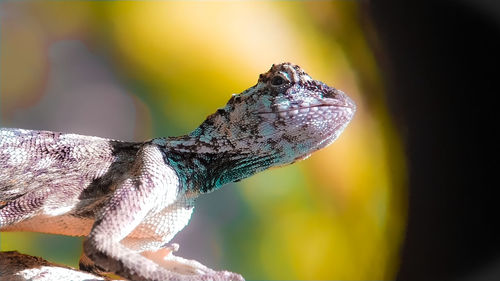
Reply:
x=338, y=215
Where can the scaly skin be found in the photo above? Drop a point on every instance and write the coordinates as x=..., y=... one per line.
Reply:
x=130, y=199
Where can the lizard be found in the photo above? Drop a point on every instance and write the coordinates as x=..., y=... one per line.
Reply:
x=130, y=198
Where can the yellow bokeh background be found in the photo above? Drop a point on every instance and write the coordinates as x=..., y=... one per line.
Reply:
x=338, y=215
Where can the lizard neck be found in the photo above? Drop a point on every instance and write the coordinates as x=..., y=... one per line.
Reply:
x=205, y=160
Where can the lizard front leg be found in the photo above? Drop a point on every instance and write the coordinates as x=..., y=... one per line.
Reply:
x=136, y=196
x=122, y=214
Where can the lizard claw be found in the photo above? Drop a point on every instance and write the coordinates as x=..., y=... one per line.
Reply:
x=232, y=276
x=222, y=276
x=174, y=247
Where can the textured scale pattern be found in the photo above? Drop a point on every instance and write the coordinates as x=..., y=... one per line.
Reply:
x=130, y=199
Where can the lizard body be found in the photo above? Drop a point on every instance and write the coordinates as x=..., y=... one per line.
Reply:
x=130, y=199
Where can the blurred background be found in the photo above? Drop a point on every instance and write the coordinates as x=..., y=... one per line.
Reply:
x=134, y=71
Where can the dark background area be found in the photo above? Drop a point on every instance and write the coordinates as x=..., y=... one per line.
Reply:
x=441, y=68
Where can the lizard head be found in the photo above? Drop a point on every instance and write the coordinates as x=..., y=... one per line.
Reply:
x=285, y=117
x=287, y=113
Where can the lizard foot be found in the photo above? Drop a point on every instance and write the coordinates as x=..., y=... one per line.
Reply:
x=167, y=260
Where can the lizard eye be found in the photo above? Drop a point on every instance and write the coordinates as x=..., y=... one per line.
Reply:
x=277, y=80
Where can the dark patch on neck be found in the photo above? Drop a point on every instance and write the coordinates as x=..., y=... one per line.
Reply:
x=205, y=172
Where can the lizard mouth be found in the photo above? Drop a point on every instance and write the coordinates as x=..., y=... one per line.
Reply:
x=314, y=110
